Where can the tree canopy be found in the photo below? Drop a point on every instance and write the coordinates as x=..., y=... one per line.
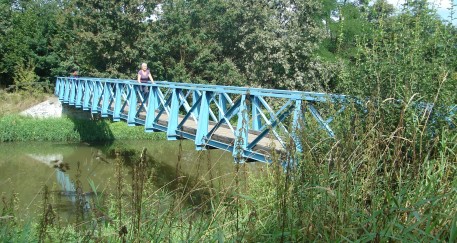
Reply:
x=357, y=47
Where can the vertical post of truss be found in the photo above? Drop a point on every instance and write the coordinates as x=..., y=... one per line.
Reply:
x=62, y=89
x=174, y=113
x=256, y=119
x=132, y=104
x=241, y=132
x=79, y=94
x=195, y=97
x=87, y=94
x=106, y=99
x=297, y=125
x=152, y=107
x=203, y=120
x=66, y=96
x=117, y=102
x=57, y=87
x=223, y=105
x=95, y=97
x=71, y=100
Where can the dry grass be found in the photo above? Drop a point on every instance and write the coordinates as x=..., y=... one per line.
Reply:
x=12, y=103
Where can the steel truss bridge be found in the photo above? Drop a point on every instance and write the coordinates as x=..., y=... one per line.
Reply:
x=251, y=123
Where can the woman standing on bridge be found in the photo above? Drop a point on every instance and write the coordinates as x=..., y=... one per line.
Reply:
x=144, y=75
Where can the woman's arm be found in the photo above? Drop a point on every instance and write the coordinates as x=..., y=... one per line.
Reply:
x=139, y=78
x=150, y=78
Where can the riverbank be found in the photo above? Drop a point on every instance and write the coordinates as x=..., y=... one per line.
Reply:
x=44, y=119
x=19, y=128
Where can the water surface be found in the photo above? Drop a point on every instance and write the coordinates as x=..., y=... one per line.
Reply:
x=26, y=167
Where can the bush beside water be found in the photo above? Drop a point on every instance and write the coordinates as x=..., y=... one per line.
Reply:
x=14, y=128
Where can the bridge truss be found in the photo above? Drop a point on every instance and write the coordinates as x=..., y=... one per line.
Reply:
x=251, y=123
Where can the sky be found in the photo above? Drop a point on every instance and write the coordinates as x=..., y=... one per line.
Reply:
x=442, y=7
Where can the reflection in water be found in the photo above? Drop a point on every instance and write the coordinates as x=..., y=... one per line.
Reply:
x=68, y=187
x=26, y=167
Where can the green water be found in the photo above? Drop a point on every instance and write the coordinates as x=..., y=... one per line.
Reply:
x=26, y=167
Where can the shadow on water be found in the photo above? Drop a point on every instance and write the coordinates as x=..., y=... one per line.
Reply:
x=95, y=130
x=165, y=176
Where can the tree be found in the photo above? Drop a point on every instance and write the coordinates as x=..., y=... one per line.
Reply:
x=28, y=28
x=107, y=36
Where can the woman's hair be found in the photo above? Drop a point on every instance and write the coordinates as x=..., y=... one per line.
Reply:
x=145, y=64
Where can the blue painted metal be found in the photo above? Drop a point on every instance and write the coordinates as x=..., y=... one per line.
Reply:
x=297, y=123
x=241, y=134
x=79, y=94
x=72, y=92
x=87, y=95
x=203, y=119
x=256, y=119
x=174, y=114
x=248, y=117
x=132, y=102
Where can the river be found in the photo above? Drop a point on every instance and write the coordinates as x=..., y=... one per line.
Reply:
x=26, y=167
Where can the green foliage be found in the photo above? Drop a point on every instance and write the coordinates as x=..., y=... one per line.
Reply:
x=28, y=31
x=410, y=54
x=106, y=35
x=25, y=76
x=17, y=128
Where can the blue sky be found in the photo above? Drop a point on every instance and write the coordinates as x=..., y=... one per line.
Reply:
x=442, y=7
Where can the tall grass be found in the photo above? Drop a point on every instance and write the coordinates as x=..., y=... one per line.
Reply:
x=366, y=186
x=13, y=103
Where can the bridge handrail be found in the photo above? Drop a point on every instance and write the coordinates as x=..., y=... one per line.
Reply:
x=289, y=94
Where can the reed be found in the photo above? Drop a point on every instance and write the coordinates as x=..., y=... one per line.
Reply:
x=359, y=192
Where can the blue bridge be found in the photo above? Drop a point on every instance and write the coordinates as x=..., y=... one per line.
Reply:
x=251, y=123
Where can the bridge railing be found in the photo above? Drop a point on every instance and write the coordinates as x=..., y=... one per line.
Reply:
x=242, y=118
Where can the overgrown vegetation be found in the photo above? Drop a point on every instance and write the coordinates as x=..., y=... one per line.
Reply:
x=14, y=103
x=363, y=189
